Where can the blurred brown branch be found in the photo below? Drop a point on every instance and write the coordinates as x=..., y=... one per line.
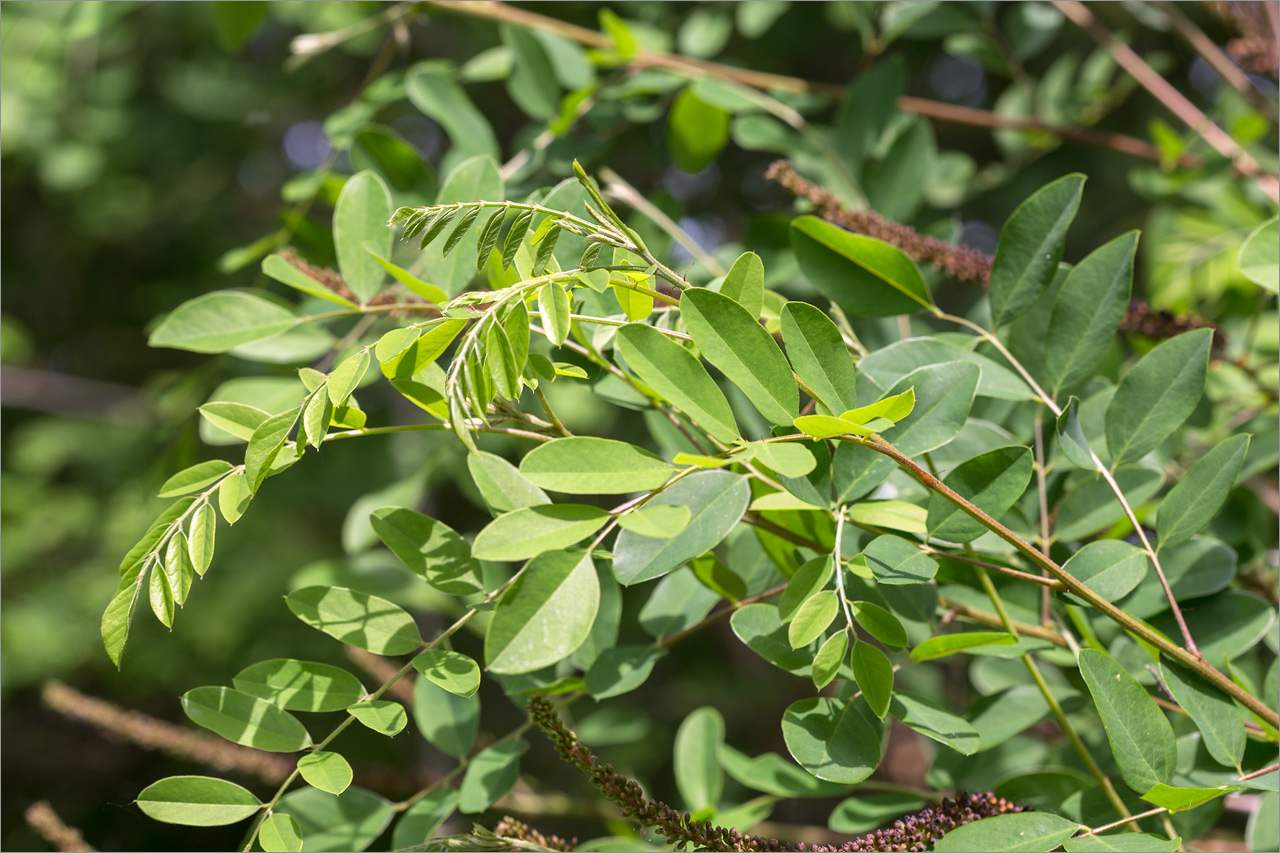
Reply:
x=44, y=820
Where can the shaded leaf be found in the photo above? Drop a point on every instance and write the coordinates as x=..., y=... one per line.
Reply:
x=1030, y=247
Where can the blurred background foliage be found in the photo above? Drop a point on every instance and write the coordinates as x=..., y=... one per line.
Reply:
x=154, y=151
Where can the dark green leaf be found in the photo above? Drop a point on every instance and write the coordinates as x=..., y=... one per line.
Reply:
x=992, y=481
x=732, y=340
x=1157, y=395
x=1196, y=499
x=865, y=277
x=894, y=560
x=874, y=674
x=1109, y=567
x=1090, y=506
x=1141, y=739
x=1092, y=302
x=943, y=396
x=447, y=721
x=1122, y=842
x=832, y=739
x=678, y=377
x=532, y=83
x=886, y=366
x=934, y=722
x=432, y=89
x=1030, y=248
x=490, y=776
x=818, y=354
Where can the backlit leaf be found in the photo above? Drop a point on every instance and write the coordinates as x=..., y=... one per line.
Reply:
x=356, y=618
x=327, y=771
x=544, y=615
x=584, y=465
x=244, y=719
x=298, y=685
x=219, y=321
x=197, y=801
x=530, y=531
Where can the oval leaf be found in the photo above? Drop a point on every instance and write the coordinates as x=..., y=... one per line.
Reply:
x=1141, y=739
x=197, y=801
x=244, y=719
x=1026, y=831
x=832, y=739
x=360, y=216
x=382, y=715
x=874, y=674
x=819, y=355
x=280, y=833
x=327, y=771
x=894, y=560
x=544, y=615
x=298, y=685
x=430, y=548
x=677, y=377
x=1196, y=499
x=351, y=821
x=697, y=759
x=1109, y=567
x=1030, y=247
x=949, y=644
x=528, y=532
x=217, y=322
x=594, y=466
x=455, y=672
x=935, y=722
x=356, y=618
x=1092, y=302
x=1157, y=395
x=490, y=776
x=992, y=481
x=864, y=276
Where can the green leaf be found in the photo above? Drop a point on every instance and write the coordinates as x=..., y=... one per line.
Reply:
x=934, y=722
x=697, y=759
x=455, y=672
x=812, y=618
x=502, y=485
x=161, y=596
x=1090, y=506
x=1226, y=625
x=356, y=618
x=544, y=615
x=1122, y=842
x=621, y=669
x=234, y=495
x=200, y=539
x=886, y=366
x=382, y=715
x=594, y=466
x=992, y=481
x=716, y=501
x=1092, y=302
x=1000, y=716
x=864, y=812
x=826, y=426
x=327, y=771
x=1030, y=247
x=219, y=321
x=265, y=445
x=892, y=408
x=894, y=560
x=178, y=570
x=760, y=629
x=197, y=801
x=530, y=531
x=490, y=776
x=235, y=418
x=789, y=460
x=554, y=307
x=879, y=623
x=390, y=155
x=806, y=582
x=244, y=719
x=283, y=271
x=677, y=377
x=862, y=275
x=346, y=377
x=1109, y=567
x=1263, y=830
x=1071, y=438
x=1194, y=569
x=360, y=217
x=832, y=739
x=744, y=283
x=429, y=292
x=1259, y=256
x=819, y=355
x=298, y=685
x=448, y=722
x=732, y=340
x=424, y=818
x=431, y=88
x=351, y=821
x=696, y=131
x=874, y=674
x=948, y=644
x=280, y=833
x=1157, y=395
x=532, y=82
x=1177, y=799
x=1026, y=831
x=656, y=522
x=1141, y=739
x=774, y=775
x=1218, y=718
x=895, y=515
x=194, y=479
x=1196, y=499
x=476, y=178
x=430, y=548
x=826, y=663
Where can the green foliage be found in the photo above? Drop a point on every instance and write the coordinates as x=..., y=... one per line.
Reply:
x=974, y=522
